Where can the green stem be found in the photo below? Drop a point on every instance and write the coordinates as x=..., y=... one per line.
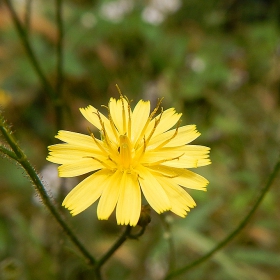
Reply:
x=170, y=241
x=125, y=235
x=22, y=33
x=59, y=52
x=236, y=231
x=7, y=152
x=59, y=47
x=138, y=234
x=112, y=250
x=30, y=54
x=27, y=18
x=22, y=159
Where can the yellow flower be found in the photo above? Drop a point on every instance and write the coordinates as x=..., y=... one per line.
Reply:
x=137, y=151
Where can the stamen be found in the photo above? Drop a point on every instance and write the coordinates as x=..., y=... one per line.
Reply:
x=129, y=119
x=165, y=175
x=109, y=157
x=140, y=154
x=144, y=145
x=119, y=90
x=96, y=142
x=101, y=122
x=102, y=162
x=167, y=171
x=163, y=160
x=172, y=137
x=112, y=123
x=155, y=110
x=105, y=135
x=125, y=151
x=169, y=176
x=123, y=111
x=148, y=121
x=123, y=116
x=157, y=121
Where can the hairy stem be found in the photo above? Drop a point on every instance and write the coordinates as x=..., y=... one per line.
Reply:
x=22, y=160
x=8, y=152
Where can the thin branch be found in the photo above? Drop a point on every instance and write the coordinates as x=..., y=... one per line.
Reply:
x=27, y=17
x=22, y=159
x=57, y=102
x=236, y=231
x=8, y=152
x=59, y=69
x=23, y=36
x=137, y=234
x=59, y=47
x=59, y=54
x=170, y=241
x=127, y=234
x=113, y=249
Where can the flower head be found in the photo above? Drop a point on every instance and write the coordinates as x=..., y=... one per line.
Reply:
x=138, y=151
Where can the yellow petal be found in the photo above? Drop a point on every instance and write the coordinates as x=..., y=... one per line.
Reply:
x=188, y=162
x=115, y=109
x=193, y=156
x=194, y=150
x=91, y=114
x=185, y=135
x=140, y=116
x=74, y=149
x=85, y=193
x=169, y=158
x=181, y=176
x=181, y=201
x=119, y=109
x=153, y=191
x=129, y=202
x=109, y=197
x=67, y=153
x=191, y=180
x=59, y=159
x=168, y=119
x=79, y=167
x=74, y=138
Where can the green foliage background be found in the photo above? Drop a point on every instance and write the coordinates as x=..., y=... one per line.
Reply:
x=218, y=62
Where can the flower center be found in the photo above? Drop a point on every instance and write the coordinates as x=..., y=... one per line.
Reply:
x=125, y=152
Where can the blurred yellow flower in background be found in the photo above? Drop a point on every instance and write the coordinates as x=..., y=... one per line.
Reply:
x=137, y=151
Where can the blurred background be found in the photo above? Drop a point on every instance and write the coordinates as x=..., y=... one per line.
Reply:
x=217, y=62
